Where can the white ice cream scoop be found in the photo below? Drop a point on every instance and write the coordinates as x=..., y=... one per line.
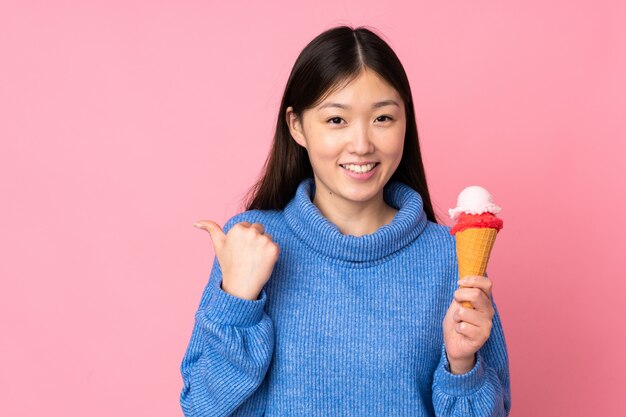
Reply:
x=474, y=200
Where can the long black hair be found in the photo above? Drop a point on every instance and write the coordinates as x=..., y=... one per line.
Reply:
x=327, y=63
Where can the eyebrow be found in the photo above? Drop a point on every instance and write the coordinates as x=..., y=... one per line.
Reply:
x=346, y=107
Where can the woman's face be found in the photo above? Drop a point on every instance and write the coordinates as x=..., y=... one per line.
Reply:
x=354, y=138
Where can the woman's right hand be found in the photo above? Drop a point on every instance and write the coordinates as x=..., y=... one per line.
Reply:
x=246, y=256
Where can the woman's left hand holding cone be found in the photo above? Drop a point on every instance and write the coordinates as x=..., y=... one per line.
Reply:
x=465, y=330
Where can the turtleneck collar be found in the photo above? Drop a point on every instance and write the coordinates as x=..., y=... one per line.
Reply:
x=319, y=233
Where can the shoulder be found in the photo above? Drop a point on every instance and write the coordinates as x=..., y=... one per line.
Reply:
x=439, y=236
x=440, y=231
x=439, y=246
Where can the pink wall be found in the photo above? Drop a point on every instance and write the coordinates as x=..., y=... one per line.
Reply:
x=121, y=125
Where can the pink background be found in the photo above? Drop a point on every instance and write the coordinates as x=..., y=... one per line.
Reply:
x=121, y=124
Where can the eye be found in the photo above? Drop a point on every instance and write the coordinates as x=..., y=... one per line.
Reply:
x=334, y=118
x=388, y=117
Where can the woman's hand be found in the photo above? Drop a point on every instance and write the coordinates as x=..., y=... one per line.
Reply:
x=246, y=256
x=465, y=330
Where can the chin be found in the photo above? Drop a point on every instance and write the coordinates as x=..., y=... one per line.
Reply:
x=362, y=196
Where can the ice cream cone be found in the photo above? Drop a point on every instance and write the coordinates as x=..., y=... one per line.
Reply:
x=475, y=230
x=473, y=247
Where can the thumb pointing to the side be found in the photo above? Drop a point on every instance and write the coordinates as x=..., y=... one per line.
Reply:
x=216, y=232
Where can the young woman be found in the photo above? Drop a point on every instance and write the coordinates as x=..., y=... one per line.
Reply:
x=335, y=292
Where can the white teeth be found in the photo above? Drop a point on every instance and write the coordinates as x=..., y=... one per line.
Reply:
x=359, y=168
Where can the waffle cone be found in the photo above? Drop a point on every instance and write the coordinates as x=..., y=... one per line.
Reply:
x=473, y=247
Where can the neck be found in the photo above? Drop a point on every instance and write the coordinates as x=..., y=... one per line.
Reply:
x=355, y=218
x=315, y=230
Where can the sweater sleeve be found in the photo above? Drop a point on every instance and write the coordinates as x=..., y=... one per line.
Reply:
x=230, y=350
x=485, y=389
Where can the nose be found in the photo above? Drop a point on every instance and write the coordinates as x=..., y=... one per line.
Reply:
x=360, y=142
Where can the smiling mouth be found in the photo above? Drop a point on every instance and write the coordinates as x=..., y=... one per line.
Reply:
x=359, y=169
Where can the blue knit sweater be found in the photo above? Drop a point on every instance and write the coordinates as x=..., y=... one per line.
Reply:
x=345, y=326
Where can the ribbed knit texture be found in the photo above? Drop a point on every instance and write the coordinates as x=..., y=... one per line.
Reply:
x=346, y=325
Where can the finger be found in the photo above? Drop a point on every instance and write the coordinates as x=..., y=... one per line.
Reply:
x=475, y=317
x=259, y=227
x=475, y=296
x=468, y=330
x=214, y=229
x=477, y=281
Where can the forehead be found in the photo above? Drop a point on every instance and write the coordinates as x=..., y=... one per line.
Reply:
x=368, y=88
x=375, y=105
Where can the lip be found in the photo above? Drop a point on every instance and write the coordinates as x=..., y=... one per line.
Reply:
x=359, y=176
x=359, y=163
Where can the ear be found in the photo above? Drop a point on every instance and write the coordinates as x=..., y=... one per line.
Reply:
x=295, y=127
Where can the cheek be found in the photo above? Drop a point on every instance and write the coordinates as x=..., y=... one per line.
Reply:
x=393, y=147
x=325, y=147
x=399, y=142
